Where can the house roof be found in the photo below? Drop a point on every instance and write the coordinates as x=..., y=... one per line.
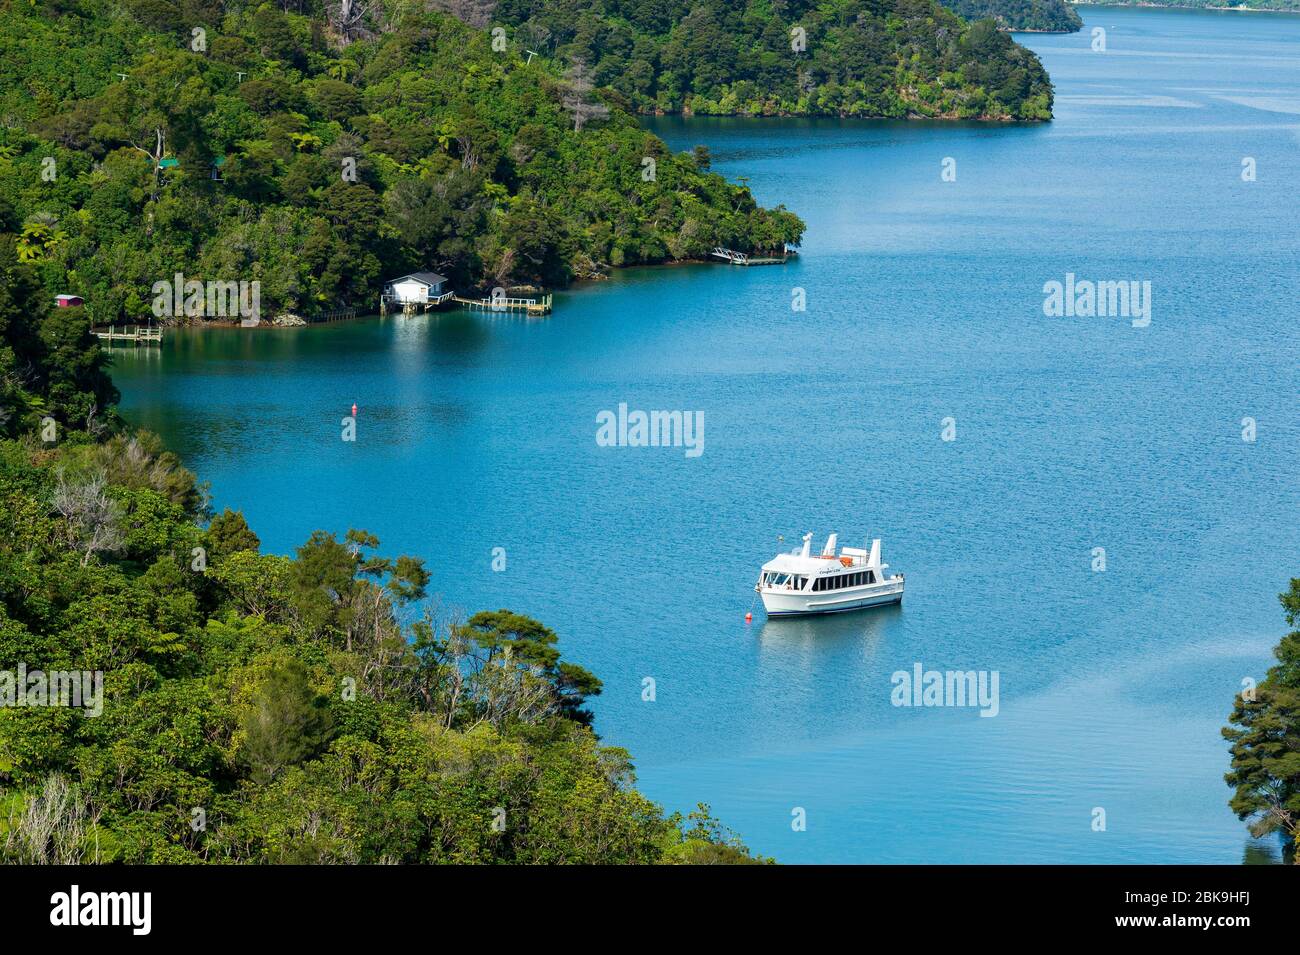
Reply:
x=428, y=278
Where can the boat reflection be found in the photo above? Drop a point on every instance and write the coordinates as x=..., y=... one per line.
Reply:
x=867, y=627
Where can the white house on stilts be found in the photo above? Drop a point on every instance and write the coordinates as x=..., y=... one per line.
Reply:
x=416, y=292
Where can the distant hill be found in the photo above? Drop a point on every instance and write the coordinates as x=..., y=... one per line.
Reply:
x=1281, y=6
x=1043, y=16
x=881, y=58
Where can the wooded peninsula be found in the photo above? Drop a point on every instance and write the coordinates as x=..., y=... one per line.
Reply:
x=320, y=149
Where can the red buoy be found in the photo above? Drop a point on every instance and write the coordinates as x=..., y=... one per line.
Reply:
x=354, y=409
x=748, y=617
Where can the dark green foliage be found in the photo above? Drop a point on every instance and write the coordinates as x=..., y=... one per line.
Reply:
x=50, y=364
x=76, y=382
x=229, y=533
x=1265, y=737
x=421, y=148
x=286, y=724
x=889, y=58
x=1054, y=16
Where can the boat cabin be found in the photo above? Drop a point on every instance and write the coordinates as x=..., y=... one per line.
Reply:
x=801, y=570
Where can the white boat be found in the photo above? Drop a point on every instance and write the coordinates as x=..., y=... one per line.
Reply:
x=801, y=582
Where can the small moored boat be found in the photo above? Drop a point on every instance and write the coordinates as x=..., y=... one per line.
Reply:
x=801, y=582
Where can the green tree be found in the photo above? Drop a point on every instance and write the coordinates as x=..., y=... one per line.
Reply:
x=229, y=533
x=78, y=386
x=526, y=641
x=286, y=724
x=1265, y=737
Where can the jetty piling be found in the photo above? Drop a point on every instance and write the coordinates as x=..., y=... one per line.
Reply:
x=392, y=302
x=748, y=258
x=531, y=306
x=134, y=334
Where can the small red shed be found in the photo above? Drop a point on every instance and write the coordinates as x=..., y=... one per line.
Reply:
x=64, y=301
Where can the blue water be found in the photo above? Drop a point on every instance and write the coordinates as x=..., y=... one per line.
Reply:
x=924, y=302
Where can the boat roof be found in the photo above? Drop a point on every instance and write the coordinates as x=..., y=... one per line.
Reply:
x=797, y=562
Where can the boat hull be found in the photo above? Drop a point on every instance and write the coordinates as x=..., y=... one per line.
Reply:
x=795, y=604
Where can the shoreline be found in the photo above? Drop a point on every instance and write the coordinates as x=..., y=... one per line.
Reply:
x=910, y=117
x=1181, y=6
x=576, y=285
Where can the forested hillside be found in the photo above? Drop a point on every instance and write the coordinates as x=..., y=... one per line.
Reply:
x=254, y=707
x=242, y=143
x=892, y=58
x=1054, y=16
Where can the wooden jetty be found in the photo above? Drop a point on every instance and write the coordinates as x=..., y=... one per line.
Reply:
x=746, y=258
x=334, y=315
x=389, y=303
x=135, y=334
x=532, y=306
